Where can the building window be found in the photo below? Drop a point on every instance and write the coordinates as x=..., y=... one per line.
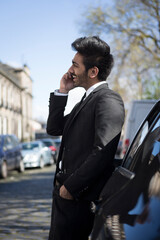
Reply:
x=19, y=129
x=4, y=125
x=9, y=96
x=4, y=96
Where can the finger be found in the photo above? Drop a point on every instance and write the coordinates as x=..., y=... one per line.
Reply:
x=65, y=76
x=69, y=74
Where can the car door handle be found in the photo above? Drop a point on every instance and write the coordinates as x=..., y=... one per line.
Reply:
x=126, y=173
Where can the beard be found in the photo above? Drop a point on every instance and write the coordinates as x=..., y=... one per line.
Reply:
x=81, y=80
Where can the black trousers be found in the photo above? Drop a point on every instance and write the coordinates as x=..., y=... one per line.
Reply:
x=70, y=219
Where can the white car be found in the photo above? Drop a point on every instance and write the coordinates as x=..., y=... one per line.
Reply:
x=36, y=154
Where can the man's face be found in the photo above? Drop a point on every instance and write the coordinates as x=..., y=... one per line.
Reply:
x=78, y=72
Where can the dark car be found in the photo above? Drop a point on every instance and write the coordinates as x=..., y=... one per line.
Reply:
x=10, y=155
x=129, y=204
x=49, y=142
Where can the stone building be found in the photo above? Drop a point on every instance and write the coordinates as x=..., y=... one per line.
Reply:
x=16, y=102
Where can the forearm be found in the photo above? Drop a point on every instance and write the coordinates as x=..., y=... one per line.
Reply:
x=56, y=119
x=99, y=163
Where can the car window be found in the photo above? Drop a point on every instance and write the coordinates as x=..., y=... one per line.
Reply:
x=48, y=144
x=30, y=146
x=14, y=141
x=8, y=143
x=42, y=144
x=143, y=150
x=139, y=139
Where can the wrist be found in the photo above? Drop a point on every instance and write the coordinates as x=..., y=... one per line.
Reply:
x=62, y=90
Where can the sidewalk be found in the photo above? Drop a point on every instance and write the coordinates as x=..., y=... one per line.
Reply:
x=25, y=205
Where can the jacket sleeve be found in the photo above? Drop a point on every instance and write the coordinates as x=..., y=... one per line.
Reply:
x=56, y=119
x=109, y=119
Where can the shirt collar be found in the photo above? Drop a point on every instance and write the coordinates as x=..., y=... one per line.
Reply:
x=93, y=87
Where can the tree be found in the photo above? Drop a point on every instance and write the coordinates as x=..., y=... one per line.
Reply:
x=133, y=28
x=153, y=91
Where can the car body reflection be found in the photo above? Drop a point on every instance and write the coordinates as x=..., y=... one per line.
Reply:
x=129, y=205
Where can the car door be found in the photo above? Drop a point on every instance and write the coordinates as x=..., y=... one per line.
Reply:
x=130, y=201
x=144, y=160
x=46, y=153
x=8, y=150
x=16, y=151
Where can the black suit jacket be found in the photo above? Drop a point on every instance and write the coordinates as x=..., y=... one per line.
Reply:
x=90, y=134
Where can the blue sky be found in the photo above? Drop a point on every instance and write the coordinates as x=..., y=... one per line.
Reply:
x=39, y=33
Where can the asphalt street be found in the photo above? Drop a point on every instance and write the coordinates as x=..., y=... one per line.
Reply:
x=25, y=204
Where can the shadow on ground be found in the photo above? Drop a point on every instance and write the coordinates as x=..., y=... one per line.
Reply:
x=25, y=205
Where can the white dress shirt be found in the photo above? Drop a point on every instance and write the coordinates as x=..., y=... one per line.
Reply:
x=93, y=87
x=57, y=93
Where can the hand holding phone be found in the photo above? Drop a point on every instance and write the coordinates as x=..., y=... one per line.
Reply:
x=66, y=83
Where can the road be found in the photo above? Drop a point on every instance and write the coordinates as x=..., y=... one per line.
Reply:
x=25, y=204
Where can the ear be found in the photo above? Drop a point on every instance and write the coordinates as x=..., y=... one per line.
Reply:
x=93, y=72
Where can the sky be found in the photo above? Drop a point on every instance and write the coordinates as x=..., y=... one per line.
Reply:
x=39, y=33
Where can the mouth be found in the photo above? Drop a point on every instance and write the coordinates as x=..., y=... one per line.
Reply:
x=73, y=76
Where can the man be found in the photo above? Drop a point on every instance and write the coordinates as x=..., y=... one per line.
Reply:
x=90, y=134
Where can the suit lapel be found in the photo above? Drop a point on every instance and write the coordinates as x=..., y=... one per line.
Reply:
x=79, y=106
x=74, y=113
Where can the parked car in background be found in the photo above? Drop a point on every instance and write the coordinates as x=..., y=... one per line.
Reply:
x=119, y=149
x=138, y=110
x=36, y=154
x=129, y=204
x=10, y=155
x=57, y=141
x=49, y=142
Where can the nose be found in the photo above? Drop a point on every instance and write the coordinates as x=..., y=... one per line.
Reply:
x=70, y=69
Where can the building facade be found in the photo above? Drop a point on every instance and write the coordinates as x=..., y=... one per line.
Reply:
x=16, y=102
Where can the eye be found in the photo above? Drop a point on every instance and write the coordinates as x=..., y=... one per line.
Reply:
x=74, y=64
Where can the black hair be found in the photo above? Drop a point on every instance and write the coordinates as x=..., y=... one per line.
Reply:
x=95, y=52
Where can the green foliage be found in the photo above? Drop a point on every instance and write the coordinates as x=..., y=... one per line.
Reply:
x=152, y=90
x=132, y=28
